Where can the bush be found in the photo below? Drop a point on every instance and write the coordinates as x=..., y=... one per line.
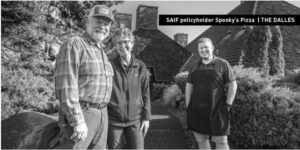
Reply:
x=264, y=115
x=180, y=80
x=266, y=119
x=157, y=90
x=297, y=78
x=293, y=76
x=291, y=80
x=21, y=90
x=171, y=95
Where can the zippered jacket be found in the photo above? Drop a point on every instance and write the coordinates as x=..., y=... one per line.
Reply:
x=130, y=99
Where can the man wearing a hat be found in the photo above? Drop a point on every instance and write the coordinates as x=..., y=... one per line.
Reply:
x=83, y=85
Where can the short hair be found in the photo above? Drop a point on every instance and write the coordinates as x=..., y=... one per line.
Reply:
x=204, y=39
x=123, y=33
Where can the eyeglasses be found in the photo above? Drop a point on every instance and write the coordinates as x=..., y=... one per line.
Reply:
x=126, y=42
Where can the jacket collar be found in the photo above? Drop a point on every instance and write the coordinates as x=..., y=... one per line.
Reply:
x=133, y=62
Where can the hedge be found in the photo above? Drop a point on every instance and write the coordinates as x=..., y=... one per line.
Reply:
x=264, y=114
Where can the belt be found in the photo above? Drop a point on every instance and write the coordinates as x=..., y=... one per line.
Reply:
x=94, y=105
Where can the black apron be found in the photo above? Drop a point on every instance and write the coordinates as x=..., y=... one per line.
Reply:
x=207, y=112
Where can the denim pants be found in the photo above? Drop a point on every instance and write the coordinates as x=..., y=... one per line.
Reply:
x=97, y=124
x=134, y=138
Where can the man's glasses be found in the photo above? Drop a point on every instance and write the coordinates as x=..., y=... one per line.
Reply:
x=126, y=42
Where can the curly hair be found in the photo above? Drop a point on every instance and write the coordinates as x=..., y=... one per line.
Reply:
x=123, y=33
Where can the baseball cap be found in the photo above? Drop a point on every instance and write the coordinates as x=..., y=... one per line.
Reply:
x=102, y=11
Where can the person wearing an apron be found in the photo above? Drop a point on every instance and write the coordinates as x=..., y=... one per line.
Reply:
x=210, y=91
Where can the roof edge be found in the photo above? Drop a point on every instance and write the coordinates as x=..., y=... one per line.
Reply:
x=170, y=39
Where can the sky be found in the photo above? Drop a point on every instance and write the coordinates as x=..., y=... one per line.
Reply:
x=183, y=7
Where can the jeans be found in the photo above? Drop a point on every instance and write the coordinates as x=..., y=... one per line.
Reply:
x=97, y=124
x=133, y=137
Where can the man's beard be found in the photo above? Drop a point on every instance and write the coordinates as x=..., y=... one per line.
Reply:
x=99, y=36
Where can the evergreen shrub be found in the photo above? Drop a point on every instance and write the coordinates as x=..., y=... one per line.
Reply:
x=171, y=94
x=180, y=80
x=22, y=90
x=157, y=90
x=264, y=115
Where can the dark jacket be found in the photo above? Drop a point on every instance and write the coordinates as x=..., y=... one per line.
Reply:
x=130, y=99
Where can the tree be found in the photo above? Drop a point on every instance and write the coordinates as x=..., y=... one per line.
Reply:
x=276, y=55
x=257, y=48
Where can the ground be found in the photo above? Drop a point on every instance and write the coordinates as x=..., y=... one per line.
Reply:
x=165, y=130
